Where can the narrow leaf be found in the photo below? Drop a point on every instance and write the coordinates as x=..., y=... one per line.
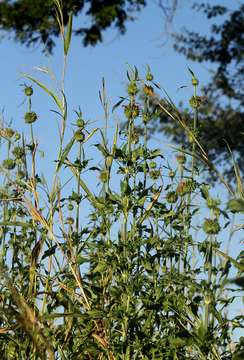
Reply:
x=65, y=153
x=48, y=91
x=238, y=265
x=68, y=35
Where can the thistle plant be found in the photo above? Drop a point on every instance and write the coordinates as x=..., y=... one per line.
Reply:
x=118, y=282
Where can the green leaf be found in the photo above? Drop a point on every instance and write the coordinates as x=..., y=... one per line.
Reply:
x=49, y=252
x=191, y=72
x=48, y=91
x=118, y=104
x=101, y=267
x=115, y=141
x=103, y=150
x=95, y=314
x=65, y=153
x=238, y=265
x=68, y=35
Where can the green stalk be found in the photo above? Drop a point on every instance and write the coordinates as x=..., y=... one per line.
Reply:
x=209, y=257
x=195, y=123
x=78, y=191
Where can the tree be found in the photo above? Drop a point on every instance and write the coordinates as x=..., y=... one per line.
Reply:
x=34, y=21
x=221, y=114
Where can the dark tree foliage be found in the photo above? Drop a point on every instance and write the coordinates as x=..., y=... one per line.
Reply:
x=34, y=21
x=221, y=114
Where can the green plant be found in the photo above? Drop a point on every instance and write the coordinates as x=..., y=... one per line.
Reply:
x=121, y=282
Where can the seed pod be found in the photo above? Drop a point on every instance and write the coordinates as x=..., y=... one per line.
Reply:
x=80, y=123
x=7, y=133
x=132, y=88
x=152, y=164
x=69, y=220
x=131, y=111
x=70, y=206
x=171, y=197
x=211, y=226
x=154, y=174
x=28, y=90
x=181, y=159
x=18, y=152
x=104, y=176
x=212, y=203
x=149, y=76
x=195, y=102
x=79, y=136
x=9, y=164
x=30, y=117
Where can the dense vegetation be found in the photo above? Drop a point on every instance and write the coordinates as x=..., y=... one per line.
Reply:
x=130, y=269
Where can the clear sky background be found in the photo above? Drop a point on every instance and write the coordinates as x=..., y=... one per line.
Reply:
x=145, y=42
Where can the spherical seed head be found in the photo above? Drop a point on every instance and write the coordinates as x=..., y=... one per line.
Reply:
x=17, y=136
x=195, y=102
x=28, y=90
x=8, y=164
x=132, y=88
x=70, y=206
x=211, y=226
x=153, y=165
x=79, y=136
x=8, y=133
x=154, y=174
x=149, y=76
x=18, y=152
x=80, y=123
x=30, y=117
x=171, y=197
x=69, y=220
x=181, y=159
x=131, y=111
